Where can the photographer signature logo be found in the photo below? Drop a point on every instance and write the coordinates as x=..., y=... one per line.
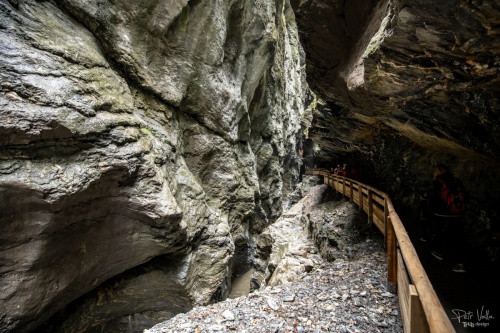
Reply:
x=478, y=318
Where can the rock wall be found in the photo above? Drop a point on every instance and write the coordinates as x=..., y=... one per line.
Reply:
x=425, y=69
x=406, y=85
x=141, y=144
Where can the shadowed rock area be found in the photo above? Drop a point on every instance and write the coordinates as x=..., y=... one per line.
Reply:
x=403, y=85
x=425, y=69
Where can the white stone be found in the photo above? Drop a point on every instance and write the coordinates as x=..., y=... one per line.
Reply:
x=228, y=315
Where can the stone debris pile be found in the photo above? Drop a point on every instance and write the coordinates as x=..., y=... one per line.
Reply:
x=343, y=296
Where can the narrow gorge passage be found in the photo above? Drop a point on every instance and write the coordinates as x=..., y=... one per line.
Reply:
x=148, y=147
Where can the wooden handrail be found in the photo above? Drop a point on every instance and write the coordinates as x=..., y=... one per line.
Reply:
x=396, y=236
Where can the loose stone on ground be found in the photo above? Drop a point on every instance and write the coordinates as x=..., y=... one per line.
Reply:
x=347, y=294
x=342, y=296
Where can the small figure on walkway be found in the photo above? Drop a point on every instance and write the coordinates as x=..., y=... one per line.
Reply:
x=355, y=173
x=346, y=170
x=337, y=169
x=448, y=205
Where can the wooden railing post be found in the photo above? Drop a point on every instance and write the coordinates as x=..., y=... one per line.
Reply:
x=370, y=206
x=392, y=264
x=418, y=321
x=343, y=186
x=351, y=190
x=386, y=216
x=360, y=197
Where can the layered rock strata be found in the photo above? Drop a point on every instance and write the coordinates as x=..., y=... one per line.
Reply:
x=406, y=85
x=425, y=69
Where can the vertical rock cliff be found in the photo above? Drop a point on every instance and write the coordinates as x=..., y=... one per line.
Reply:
x=143, y=147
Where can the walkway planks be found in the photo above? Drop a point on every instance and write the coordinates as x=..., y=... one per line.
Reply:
x=420, y=307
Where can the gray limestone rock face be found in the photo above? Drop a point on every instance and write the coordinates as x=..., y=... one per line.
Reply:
x=139, y=142
x=285, y=248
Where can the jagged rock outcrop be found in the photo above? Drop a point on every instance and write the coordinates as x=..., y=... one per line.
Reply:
x=321, y=225
x=424, y=69
x=284, y=249
x=140, y=141
x=403, y=85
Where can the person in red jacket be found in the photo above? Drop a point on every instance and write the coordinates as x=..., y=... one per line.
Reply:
x=346, y=170
x=354, y=173
x=449, y=238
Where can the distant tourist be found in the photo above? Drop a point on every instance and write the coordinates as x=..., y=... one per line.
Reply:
x=346, y=170
x=355, y=173
x=337, y=169
x=448, y=204
x=426, y=221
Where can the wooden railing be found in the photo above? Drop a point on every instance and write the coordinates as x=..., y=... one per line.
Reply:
x=421, y=309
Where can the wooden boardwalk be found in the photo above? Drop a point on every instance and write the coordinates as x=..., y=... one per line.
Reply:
x=421, y=309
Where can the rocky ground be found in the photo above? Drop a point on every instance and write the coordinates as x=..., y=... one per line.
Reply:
x=346, y=294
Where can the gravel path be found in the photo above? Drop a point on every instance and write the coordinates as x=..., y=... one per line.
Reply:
x=345, y=295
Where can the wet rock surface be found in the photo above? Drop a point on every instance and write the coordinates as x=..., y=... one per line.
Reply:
x=134, y=131
x=131, y=132
x=346, y=294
